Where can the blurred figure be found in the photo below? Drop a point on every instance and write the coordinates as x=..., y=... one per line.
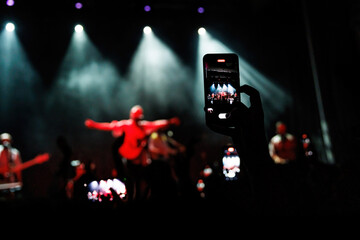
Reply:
x=76, y=186
x=283, y=146
x=308, y=150
x=164, y=150
x=9, y=159
x=119, y=167
x=201, y=183
x=10, y=176
x=133, y=149
x=65, y=172
x=162, y=146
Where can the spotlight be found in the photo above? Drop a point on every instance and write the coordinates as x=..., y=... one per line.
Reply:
x=79, y=28
x=147, y=30
x=201, y=10
x=78, y=5
x=201, y=31
x=10, y=27
x=147, y=8
x=10, y=3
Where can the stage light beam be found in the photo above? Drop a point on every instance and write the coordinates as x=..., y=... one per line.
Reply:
x=19, y=88
x=87, y=85
x=85, y=78
x=158, y=79
x=275, y=98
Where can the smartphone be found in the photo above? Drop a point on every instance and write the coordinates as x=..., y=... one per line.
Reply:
x=230, y=162
x=221, y=87
x=98, y=191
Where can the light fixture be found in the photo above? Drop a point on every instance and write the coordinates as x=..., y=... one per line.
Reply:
x=201, y=31
x=10, y=3
x=79, y=28
x=78, y=5
x=147, y=8
x=147, y=30
x=10, y=27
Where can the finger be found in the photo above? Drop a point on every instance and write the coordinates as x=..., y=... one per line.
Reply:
x=253, y=94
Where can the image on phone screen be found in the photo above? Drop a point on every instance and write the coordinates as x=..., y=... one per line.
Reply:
x=231, y=163
x=221, y=86
x=221, y=76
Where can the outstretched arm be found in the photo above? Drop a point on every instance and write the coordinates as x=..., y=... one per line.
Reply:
x=104, y=126
x=152, y=126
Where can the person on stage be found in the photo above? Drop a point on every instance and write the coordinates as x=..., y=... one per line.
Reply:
x=283, y=145
x=133, y=150
x=10, y=157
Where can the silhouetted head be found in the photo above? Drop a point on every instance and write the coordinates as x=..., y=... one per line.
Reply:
x=136, y=112
x=280, y=127
x=6, y=139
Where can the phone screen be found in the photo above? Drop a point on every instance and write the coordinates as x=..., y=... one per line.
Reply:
x=231, y=163
x=221, y=85
x=106, y=190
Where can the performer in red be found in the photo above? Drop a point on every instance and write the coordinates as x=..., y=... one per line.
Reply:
x=10, y=158
x=283, y=146
x=135, y=131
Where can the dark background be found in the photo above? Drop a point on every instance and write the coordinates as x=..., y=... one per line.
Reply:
x=270, y=35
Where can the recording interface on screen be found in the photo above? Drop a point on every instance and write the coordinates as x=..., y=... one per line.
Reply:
x=231, y=163
x=221, y=83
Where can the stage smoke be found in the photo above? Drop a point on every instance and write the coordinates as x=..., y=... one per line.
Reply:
x=20, y=94
x=158, y=80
